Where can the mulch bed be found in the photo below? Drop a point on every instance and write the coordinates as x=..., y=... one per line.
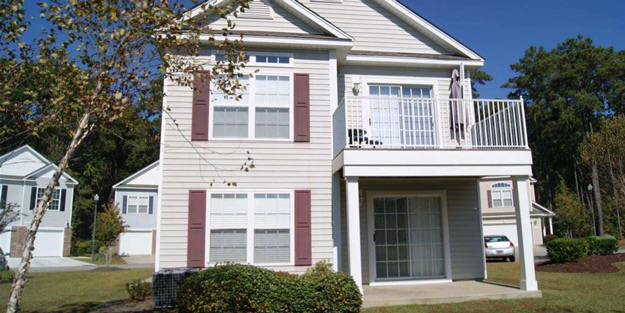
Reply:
x=589, y=264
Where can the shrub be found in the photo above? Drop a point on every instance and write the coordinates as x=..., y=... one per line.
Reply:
x=139, y=290
x=6, y=276
x=82, y=247
x=605, y=245
x=245, y=288
x=549, y=238
x=565, y=250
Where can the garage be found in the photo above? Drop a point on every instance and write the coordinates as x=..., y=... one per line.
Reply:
x=49, y=242
x=5, y=241
x=135, y=243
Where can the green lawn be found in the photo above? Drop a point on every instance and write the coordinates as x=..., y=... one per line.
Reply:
x=562, y=292
x=82, y=291
x=73, y=291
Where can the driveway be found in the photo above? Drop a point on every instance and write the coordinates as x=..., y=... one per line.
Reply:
x=51, y=264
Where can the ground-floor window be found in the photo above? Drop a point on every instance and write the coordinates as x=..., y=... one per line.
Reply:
x=251, y=227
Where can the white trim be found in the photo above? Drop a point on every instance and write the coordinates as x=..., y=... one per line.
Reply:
x=161, y=158
x=409, y=61
x=48, y=209
x=70, y=179
x=139, y=197
x=250, y=227
x=409, y=282
x=71, y=201
x=442, y=195
x=155, y=188
x=280, y=41
x=138, y=230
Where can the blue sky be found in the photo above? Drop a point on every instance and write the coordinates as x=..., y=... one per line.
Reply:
x=501, y=30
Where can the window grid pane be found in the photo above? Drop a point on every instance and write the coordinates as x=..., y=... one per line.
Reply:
x=273, y=90
x=230, y=122
x=220, y=98
x=228, y=245
x=272, y=246
x=272, y=210
x=272, y=123
x=228, y=210
x=54, y=204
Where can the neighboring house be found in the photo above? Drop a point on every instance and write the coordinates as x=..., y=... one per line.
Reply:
x=360, y=157
x=498, y=210
x=24, y=175
x=137, y=198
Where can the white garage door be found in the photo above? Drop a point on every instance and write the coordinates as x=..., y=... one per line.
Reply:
x=509, y=230
x=48, y=243
x=135, y=243
x=5, y=241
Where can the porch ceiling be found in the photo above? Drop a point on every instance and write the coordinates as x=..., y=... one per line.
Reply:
x=460, y=291
x=433, y=163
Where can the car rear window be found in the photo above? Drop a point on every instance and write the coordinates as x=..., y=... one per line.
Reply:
x=496, y=238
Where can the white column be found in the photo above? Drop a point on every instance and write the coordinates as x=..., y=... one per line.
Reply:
x=551, y=225
x=524, y=232
x=543, y=226
x=353, y=229
x=336, y=221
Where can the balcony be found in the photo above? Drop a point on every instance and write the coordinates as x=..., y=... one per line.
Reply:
x=453, y=137
x=426, y=123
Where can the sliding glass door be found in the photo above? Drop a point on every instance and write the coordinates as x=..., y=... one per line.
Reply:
x=408, y=238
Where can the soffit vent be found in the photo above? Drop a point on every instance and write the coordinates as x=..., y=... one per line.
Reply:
x=259, y=9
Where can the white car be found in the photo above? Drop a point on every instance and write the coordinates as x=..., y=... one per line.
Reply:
x=498, y=247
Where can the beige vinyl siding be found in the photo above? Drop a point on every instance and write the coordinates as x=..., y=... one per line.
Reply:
x=279, y=164
x=282, y=22
x=374, y=28
x=467, y=260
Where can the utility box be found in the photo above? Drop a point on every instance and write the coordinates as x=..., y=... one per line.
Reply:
x=165, y=284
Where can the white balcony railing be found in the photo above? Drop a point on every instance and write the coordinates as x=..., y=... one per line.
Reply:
x=412, y=123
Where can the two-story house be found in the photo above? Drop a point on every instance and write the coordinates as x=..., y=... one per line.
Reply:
x=24, y=175
x=367, y=146
x=137, y=199
x=498, y=210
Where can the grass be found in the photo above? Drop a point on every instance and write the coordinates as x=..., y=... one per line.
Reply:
x=66, y=292
x=562, y=292
x=117, y=260
x=73, y=291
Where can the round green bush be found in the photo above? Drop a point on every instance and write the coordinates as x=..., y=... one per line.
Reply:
x=606, y=245
x=245, y=288
x=565, y=250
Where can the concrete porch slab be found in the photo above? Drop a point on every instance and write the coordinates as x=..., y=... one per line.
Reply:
x=460, y=291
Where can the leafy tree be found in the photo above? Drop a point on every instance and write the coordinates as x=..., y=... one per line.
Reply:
x=94, y=62
x=570, y=213
x=479, y=77
x=568, y=90
x=609, y=152
x=8, y=214
x=108, y=228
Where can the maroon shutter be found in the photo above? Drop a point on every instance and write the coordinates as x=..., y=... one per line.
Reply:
x=201, y=99
x=197, y=226
x=489, y=194
x=302, y=108
x=303, y=248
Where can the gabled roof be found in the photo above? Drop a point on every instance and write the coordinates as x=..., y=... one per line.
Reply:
x=542, y=211
x=128, y=180
x=292, y=6
x=52, y=166
x=46, y=164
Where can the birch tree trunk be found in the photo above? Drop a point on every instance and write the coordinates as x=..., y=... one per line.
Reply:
x=82, y=130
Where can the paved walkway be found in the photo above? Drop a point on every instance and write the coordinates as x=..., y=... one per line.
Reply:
x=44, y=264
x=460, y=291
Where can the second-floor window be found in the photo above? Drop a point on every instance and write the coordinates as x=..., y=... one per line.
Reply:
x=502, y=195
x=263, y=111
x=54, y=204
x=138, y=204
